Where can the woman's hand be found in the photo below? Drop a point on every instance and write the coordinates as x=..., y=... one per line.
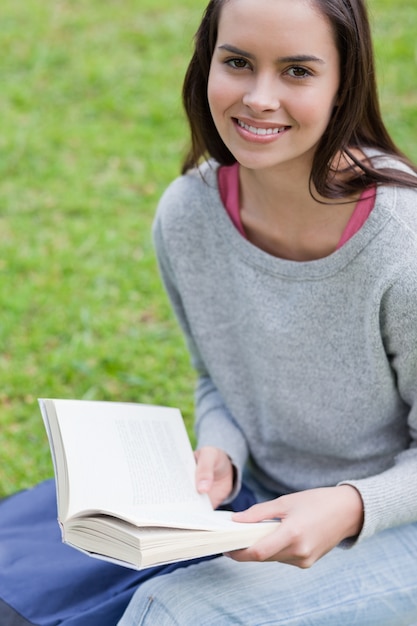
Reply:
x=312, y=523
x=214, y=474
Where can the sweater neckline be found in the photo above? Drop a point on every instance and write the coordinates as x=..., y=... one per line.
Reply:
x=228, y=181
x=301, y=270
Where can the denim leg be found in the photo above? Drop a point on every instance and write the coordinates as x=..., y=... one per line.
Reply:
x=372, y=584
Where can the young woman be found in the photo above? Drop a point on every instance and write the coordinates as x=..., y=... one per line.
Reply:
x=289, y=251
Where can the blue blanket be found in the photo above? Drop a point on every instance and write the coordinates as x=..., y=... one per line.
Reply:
x=46, y=583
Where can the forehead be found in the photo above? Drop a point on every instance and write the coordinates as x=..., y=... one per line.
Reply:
x=266, y=23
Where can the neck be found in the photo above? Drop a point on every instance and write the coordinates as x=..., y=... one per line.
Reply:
x=282, y=216
x=273, y=194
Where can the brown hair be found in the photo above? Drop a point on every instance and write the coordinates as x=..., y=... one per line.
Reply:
x=356, y=121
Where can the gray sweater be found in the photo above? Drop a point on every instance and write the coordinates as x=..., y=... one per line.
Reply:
x=306, y=370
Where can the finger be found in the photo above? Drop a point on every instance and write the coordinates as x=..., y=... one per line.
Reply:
x=206, y=460
x=273, y=547
x=258, y=512
x=285, y=556
x=280, y=545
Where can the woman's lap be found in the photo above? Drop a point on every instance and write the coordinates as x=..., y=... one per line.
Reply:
x=372, y=584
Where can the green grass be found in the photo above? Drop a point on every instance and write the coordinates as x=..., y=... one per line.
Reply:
x=91, y=133
x=395, y=26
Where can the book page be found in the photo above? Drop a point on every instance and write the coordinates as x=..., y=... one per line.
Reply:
x=158, y=473
x=130, y=460
x=139, y=547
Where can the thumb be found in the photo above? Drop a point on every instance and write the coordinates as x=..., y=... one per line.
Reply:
x=206, y=459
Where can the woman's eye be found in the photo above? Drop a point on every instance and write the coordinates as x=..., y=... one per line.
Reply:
x=298, y=72
x=238, y=64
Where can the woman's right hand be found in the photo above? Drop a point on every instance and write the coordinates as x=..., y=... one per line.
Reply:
x=214, y=474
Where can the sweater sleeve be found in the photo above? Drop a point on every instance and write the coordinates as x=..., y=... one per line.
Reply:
x=390, y=498
x=215, y=425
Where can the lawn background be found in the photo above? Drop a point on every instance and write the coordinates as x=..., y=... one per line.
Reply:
x=91, y=132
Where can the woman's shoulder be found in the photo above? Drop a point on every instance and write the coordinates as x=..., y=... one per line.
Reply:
x=193, y=189
x=399, y=199
x=186, y=206
x=404, y=209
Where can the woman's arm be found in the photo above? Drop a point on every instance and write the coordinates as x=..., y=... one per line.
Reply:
x=215, y=426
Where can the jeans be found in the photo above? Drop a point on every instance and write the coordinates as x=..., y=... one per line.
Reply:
x=372, y=584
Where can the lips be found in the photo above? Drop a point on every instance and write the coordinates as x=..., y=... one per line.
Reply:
x=261, y=131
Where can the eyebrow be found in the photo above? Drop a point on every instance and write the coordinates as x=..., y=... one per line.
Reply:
x=299, y=58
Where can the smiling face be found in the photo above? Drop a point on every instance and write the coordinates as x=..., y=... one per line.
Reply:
x=273, y=81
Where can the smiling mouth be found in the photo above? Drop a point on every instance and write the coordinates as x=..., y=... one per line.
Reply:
x=261, y=132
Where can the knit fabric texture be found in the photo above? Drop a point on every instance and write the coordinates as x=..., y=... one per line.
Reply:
x=307, y=371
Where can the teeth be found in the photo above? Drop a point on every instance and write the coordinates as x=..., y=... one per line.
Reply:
x=261, y=131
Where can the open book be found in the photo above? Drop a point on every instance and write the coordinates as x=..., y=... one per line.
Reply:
x=125, y=480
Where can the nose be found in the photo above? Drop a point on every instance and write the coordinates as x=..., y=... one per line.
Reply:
x=262, y=94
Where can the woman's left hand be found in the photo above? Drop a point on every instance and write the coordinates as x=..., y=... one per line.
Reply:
x=312, y=523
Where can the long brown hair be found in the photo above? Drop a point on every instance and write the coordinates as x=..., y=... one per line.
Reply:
x=356, y=121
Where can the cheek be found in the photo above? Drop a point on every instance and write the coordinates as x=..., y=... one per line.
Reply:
x=211, y=94
x=216, y=106
x=221, y=92
x=314, y=109
x=214, y=95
